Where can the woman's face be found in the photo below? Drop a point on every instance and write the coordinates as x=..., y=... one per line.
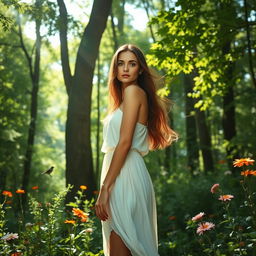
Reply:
x=127, y=68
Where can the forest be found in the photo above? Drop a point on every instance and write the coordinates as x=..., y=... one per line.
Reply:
x=54, y=63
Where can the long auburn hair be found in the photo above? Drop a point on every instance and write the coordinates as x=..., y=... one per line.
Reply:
x=159, y=131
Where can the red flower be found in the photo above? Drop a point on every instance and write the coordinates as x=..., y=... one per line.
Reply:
x=214, y=188
x=35, y=187
x=202, y=227
x=199, y=216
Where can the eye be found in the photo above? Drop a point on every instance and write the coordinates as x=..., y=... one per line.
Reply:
x=133, y=64
x=119, y=63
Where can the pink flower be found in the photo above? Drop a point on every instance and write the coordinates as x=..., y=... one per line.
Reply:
x=198, y=216
x=10, y=236
x=226, y=197
x=214, y=188
x=202, y=227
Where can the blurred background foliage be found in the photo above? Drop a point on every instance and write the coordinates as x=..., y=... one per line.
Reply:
x=204, y=51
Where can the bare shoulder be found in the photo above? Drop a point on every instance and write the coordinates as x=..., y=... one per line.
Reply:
x=135, y=92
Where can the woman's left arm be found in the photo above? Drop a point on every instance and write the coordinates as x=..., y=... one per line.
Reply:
x=131, y=106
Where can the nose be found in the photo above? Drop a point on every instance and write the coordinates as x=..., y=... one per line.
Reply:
x=126, y=67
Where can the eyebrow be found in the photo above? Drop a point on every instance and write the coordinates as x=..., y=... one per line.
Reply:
x=128, y=61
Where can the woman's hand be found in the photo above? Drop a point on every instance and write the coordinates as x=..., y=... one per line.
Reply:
x=101, y=205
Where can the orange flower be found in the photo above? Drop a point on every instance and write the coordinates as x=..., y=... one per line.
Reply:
x=214, y=188
x=96, y=192
x=202, y=227
x=248, y=172
x=199, y=216
x=242, y=162
x=20, y=191
x=70, y=221
x=35, y=187
x=172, y=218
x=79, y=213
x=84, y=219
x=16, y=254
x=7, y=193
x=226, y=197
x=83, y=187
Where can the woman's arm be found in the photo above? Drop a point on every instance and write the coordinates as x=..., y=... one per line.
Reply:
x=131, y=106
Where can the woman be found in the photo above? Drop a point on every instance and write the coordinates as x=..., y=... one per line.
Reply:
x=137, y=121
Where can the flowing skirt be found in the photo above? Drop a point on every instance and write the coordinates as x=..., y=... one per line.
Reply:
x=132, y=207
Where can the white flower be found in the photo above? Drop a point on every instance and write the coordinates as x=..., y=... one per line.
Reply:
x=88, y=230
x=10, y=236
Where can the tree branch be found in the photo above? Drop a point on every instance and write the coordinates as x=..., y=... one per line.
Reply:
x=146, y=7
x=23, y=47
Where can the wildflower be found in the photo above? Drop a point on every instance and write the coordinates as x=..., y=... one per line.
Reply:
x=242, y=162
x=172, y=218
x=16, y=254
x=226, y=197
x=248, y=172
x=70, y=221
x=198, y=216
x=10, y=236
x=96, y=192
x=79, y=213
x=28, y=225
x=83, y=187
x=88, y=230
x=202, y=227
x=35, y=187
x=7, y=193
x=20, y=191
x=214, y=188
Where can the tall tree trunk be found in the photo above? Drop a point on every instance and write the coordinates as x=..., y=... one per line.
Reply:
x=249, y=45
x=228, y=118
x=34, y=75
x=79, y=164
x=97, y=172
x=204, y=139
x=191, y=132
x=204, y=135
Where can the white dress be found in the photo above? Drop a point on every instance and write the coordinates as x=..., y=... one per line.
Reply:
x=132, y=200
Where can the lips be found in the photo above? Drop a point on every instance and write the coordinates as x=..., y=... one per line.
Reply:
x=125, y=76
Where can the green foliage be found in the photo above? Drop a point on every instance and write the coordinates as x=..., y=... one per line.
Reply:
x=194, y=37
x=45, y=231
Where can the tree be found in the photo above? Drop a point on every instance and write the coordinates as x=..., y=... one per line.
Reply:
x=79, y=165
x=34, y=71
